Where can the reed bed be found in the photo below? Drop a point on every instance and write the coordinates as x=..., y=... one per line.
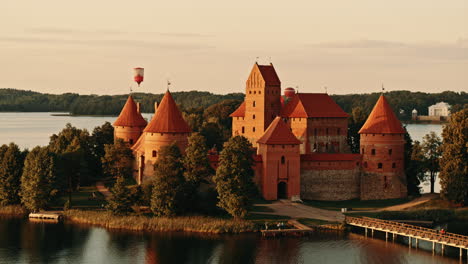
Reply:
x=13, y=210
x=201, y=224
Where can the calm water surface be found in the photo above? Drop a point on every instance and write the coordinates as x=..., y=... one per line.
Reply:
x=22, y=241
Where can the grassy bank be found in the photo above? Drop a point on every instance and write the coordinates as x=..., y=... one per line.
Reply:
x=142, y=223
x=13, y=210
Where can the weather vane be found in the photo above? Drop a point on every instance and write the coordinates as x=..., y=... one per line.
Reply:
x=326, y=90
x=383, y=89
x=168, y=84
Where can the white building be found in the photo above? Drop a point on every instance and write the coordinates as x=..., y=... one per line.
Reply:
x=439, y=109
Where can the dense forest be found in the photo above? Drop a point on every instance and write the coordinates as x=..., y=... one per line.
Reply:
x=403, y=102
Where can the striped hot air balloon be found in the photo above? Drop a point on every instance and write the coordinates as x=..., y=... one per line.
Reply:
x=138, y=75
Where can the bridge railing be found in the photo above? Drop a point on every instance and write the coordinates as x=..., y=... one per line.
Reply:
x=409, y=230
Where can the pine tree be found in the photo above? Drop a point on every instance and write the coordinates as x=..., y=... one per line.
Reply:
x=414, y=169
x=234, y=177
x=454, y=161
x=197, y=167
x=38, y=181
x=121, y=201
x=168, y=197
x=118, y=160
x=11, y=168
x=432, y=152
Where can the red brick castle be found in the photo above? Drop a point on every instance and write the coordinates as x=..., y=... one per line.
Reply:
x=300, y=140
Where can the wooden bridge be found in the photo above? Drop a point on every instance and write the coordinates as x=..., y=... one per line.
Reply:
x=410, y=231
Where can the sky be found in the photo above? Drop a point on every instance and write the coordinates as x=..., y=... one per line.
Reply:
x=90, y=47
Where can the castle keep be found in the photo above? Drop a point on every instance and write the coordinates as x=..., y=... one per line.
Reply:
x=300, y=140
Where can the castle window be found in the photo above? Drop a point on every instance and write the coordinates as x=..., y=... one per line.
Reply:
x=131, y=141
x=243, y=130
x=326, y=131
x=162, y=134
x=253, y=129
x=259, y=92
x=253, y=104
x=390, y=152
x=394, y=165
x=283, y=160
x=315, y=147
x=385, y=181
x=155, y=153
x=253, y=117
x=282, y=146
x=250, y=92
x=357, y=164
x=315, y=132
x=338, y=131
x=373, y=152
x=255, y=92
x=362, y=151
x=379, y=165
x=365, y=164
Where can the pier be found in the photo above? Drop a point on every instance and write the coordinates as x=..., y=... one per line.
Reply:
x=411, y=231
x=46, y=216
x=298, y=230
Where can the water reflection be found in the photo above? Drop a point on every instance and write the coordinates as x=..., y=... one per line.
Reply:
x=22, y=241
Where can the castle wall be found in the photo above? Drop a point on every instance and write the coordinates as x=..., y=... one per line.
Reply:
x=330, y=180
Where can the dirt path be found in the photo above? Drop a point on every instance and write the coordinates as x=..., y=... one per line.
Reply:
x=424, y=198
x=103, y=189
x=297, y=210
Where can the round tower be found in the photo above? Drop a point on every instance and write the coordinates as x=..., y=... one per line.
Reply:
x=382, y=149
x=130, y=124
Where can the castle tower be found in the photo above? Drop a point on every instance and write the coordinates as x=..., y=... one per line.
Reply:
x=261, y=105
x=166, y=126
x=130, y=124
x=279, y=149
x=382, y=149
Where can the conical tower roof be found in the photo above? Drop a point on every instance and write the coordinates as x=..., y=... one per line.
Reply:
x=168, y=118
x=278, y=133
x=382, y=120
x=130, y=115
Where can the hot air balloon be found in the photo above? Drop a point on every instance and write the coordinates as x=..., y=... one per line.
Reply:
x=138, y=75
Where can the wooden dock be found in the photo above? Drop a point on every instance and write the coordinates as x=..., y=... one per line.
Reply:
x=299, y=230
x=411, y=231
x=46, y=216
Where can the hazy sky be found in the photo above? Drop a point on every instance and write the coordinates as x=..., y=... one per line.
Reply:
x=89, y=46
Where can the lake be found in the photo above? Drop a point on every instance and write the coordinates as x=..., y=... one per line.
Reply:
x=31, y=129
x=22, y=241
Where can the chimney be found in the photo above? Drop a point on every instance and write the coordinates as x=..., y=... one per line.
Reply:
x=155, y=106
x=138, y=108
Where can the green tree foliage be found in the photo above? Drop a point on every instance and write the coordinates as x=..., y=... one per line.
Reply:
x=120, y=201
x=101, y=136
x=73, y=149
x=39, y=179
x=454, y=160
x=197, y=167
x=414, y=170
x=432, y=153
x=234, y=177
x=168, y=198
x=355, y=122
x=11, y=168
x=118, y=160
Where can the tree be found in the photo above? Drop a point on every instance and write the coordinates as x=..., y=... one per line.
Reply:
x=39, y=178
x=168, y=198
x=234, y=177
x=101, y=136
x=197, y=166
x=118, y=160
x=121, y=201
x=356, y=121
x=454, y=160
x=414, y=168
x=432, y=152
x=11, y=168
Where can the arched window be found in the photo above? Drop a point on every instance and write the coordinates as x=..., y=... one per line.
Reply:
x=253, y=129
x=253, y=104
x=283, y=160
x=253, y=116
x=131, y=141
x=390, y=152
x=373, y=152
x=379, y=165
x=155, y=153
x=243, y=130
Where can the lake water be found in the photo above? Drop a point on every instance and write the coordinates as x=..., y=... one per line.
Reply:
x=31, y=129
x=22, y=241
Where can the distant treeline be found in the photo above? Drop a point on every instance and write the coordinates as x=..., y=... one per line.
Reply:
x=28, y=101
x=12, y=100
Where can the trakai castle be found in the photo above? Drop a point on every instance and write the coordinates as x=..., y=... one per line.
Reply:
x=300, y=140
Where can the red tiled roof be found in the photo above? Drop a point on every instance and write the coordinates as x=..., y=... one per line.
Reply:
x=269, y=74
x=330, y=157
x=382, y=120
x=167, y=118
x=278, y=133
x=130, y=116
x=240, y=111
x=312, y=105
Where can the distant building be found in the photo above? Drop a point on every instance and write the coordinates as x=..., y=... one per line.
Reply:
x=414, y=114
x=440, y=109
